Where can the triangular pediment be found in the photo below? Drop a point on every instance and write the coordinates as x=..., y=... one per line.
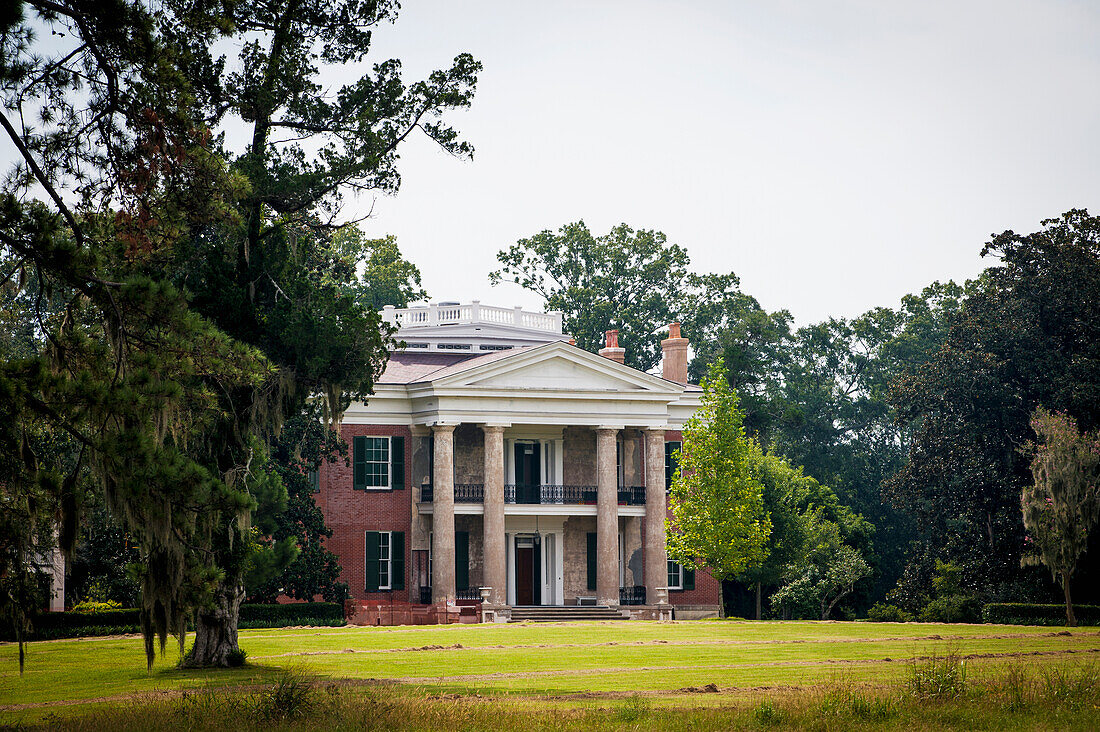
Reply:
x=556, y=367
x=557, y=373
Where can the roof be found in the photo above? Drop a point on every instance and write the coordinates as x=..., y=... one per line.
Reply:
x=409, y=367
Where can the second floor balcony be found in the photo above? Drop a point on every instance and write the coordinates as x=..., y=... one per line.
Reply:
x=570, y=495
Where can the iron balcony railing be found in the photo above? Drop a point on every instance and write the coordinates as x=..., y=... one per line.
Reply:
x=572, y=495
x=469, y=493
x=632, y=595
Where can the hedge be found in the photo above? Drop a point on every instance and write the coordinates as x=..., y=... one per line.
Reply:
x=49, y=626
x=1022, y=613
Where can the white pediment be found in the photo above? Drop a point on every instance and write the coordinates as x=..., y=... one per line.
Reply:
x=556, y=373
x=557, y=367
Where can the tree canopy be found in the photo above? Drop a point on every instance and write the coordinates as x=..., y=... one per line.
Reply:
x=190, y=296
x=716, y=498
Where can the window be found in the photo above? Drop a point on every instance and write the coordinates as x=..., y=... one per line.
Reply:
x=485, y=347
x=675, y=576
x=671, y=462
x=385, y=561
x=314, y=478
x=379, y=463
x=453, y=346
x=680, y=578
x=416, y=345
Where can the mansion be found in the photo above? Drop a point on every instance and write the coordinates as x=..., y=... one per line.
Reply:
x=498, y=469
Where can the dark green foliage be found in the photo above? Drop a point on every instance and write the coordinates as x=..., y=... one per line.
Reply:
x=883, y=613
x=1022, y=613
x=189, y=296
x=100, y=566
x=1028, y=333
x=49, y=626
x=952, y=609
x=302, y=446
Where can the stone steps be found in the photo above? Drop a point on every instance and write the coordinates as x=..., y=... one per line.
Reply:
x=563, y=614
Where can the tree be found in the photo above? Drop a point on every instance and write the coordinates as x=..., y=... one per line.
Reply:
x=798, y=506
x=716, y=498
x=1027, y=333
x=832, y=573
x=202, y=294
x=1062, y=505
x=628, y=279
x=388, y=278
x=304, y=443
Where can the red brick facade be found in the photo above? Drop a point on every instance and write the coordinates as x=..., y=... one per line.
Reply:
x=351, y=513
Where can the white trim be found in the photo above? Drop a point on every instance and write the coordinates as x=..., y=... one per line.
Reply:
x=680, y=574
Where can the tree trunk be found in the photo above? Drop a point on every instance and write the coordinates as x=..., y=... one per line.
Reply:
x=216, y=629
x=758, y=593
x=1071, y=621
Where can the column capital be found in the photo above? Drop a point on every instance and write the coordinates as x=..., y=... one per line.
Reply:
x=495, y=427
x=609, y=428
x=444, y=428
x=657, y=430
x=420, y=430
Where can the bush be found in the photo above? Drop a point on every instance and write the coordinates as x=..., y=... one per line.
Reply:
x=1023, y=613
x=952, y=609
x=237, y=657
x=91, y=606
x=87, y=623
x=881, y=612
x=296, y=613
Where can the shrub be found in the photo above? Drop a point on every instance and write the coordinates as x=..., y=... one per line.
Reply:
x=91, y=606
x=93, y=622
x=881, y=612
x=295, y=613
x=952, y=609
x=237, y=657
x=1022, y=613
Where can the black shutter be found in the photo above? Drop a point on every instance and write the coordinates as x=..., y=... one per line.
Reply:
x=397, y=463
x=592, y=561
x=359, y=463
x=370, y=566
x=671, y=463
x=397, y=565
x=689, y=579
x=462, y=560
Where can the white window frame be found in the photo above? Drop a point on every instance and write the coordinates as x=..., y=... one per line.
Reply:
x=385, y=560
x=388, y=463
x=675, y=569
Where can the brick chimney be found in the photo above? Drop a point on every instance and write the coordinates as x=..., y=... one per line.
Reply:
x=674, y=364
x=611, y=349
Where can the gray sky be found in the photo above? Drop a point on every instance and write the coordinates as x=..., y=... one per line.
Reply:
x=835, y=155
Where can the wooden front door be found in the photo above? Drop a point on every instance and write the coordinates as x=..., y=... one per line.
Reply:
x=528, y=579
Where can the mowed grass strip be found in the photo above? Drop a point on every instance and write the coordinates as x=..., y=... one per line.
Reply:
x=560, y=658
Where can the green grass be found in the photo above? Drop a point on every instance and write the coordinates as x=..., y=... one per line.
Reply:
x=562, y=667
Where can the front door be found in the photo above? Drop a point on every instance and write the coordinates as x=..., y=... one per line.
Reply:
x=528, y=475
x=528, y=579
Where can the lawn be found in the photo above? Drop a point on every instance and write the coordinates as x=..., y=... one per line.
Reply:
x=555, y=666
